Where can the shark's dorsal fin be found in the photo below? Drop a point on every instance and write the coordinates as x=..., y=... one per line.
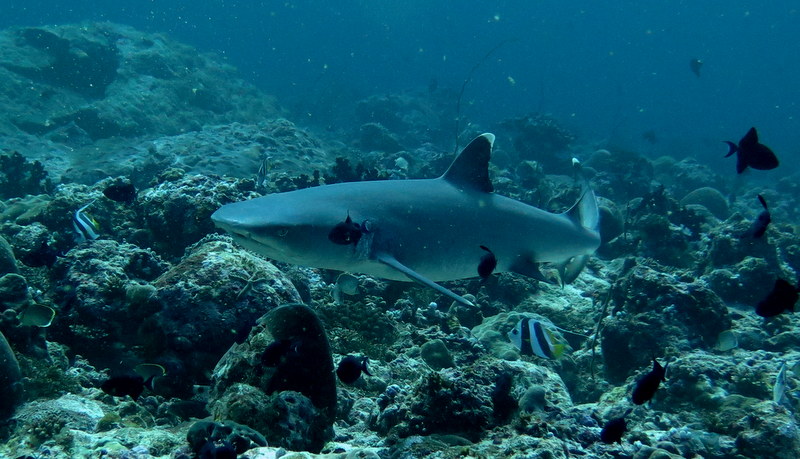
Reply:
x=415, y=276
x=470, y=169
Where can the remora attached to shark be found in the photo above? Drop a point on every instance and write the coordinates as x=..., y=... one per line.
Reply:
x=427, y=230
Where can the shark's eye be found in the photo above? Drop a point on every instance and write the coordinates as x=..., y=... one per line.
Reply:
x=283, y=232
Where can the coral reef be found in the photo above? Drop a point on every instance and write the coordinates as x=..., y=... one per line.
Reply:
x=20, y=177
x=542, y=138
x=10, y=385
x=291, y=401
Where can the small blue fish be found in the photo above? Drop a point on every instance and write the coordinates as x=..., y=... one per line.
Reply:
x=86, y=227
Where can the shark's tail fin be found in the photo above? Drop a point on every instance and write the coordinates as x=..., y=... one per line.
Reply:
x=586, y=214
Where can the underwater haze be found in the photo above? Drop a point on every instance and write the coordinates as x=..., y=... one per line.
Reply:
x=612, y=70
x=399, y=229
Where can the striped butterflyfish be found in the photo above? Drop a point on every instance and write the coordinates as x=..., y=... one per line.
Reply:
x=532, y=337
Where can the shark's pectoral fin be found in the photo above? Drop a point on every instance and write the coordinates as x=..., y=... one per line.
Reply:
x=391, y=261
x=569, y=270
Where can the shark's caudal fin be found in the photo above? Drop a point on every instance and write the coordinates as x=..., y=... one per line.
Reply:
x=470, y=169
x=586, y=214
x=415, y=276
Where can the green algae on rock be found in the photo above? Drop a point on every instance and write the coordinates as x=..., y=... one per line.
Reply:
x=10, y=379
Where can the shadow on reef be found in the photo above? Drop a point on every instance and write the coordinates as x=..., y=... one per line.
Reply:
x=280, y=381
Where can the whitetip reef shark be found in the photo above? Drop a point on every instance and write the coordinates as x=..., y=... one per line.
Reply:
x=425, y=230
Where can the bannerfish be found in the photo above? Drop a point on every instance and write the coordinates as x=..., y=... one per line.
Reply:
x=422, y=230
x=532, y=337
x=86, y=227
x=121, y=192
x=614, y=429
x=779, y=389
x=647, y=385
x=487, y=264
x=351, y=367
x=760, y=224
x=751, y=153
x=696, y=65
x=782, y=298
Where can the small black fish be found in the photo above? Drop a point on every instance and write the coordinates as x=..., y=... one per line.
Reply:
x=759, y=226
x=782, y=298
x=351, y=367
x=278, y=351
x=346, y=232
x=133, y=385
x=750, y=153
x=650, y=136
x=614, y=429
x=42, y=256
x=696, y=65
x=487, y=264
x=647, y=385
x=217, y=450
x=121, y=192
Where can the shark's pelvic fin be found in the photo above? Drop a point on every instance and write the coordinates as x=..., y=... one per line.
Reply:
x=527, y=267
x=470, y=169
x=570, y=269
x=586, y=214
x=415, y=276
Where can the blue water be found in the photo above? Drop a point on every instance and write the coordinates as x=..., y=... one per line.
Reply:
x=609, y=70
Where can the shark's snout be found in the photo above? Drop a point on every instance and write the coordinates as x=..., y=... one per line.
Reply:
x=231, y=219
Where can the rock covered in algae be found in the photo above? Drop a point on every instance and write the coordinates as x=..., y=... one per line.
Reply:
x=8, y=264
x=655, y=310
x=711, y=199
x=10, y=377
x=246, y=390
x=239, y=436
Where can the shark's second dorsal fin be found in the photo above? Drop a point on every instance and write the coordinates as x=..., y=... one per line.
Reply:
x=470, y=169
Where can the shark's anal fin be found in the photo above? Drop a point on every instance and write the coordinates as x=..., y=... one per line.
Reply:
x=415, y=276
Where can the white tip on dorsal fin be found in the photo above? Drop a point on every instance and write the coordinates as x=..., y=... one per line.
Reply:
x=470, y=169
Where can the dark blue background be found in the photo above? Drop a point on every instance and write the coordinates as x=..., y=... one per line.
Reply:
x=609, y=72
